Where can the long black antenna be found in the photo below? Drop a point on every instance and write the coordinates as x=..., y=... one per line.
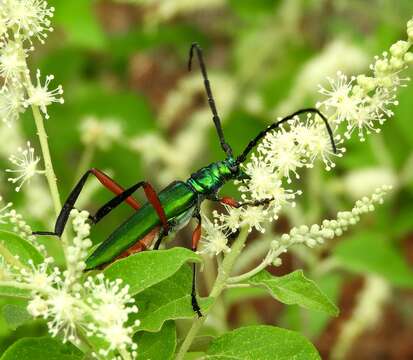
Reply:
x=217, y=121
x=273, y=126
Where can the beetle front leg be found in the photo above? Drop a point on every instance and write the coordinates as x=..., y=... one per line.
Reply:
x=226, y=200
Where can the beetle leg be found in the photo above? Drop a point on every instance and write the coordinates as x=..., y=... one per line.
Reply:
x=159, y=239
x=196, y=236
x=122, y=195
x=105, y=180
x=226, y=200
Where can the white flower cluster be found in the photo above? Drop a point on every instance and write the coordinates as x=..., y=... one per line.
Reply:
x=20, y=22
x=25, y=19
x=316, y=234
x=361, y=102
x=364, y=102
x=77, y=252
x=111, y=306
x=75, y=307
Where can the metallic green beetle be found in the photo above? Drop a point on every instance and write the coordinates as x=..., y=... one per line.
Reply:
x=175, y=205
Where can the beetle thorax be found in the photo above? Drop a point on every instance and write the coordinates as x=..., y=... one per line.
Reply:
x=210, y=178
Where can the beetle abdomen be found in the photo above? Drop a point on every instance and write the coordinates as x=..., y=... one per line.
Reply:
x=176, y=198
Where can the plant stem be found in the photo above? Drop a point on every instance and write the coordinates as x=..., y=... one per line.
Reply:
x=49, y=171
x=267, y=261
x=220, y=282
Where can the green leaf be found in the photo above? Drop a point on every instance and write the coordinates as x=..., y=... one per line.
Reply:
x=295, y=318
x=371, y=253
x=11, y=291
x=168, y=300
x=295, y=288
x=20, y=247
x=15, y=315
x=157, y=346
x=145, y=269
x=41, y=348
x=262, y=343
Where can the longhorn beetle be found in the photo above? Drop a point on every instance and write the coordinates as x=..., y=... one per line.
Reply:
x=176, y=204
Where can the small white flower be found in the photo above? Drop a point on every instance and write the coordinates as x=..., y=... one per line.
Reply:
x=26, y=163
x=12, y=63
x=280, y=151
x=41, y=276
x=42, y=97
x=11, y=105
x=38, y=307
x=28, y=18
x=315, y=142
x=64, y=315
x=214, y=240
x=339, y=98
x=118, y=337
x=254, y=217
x=231, y=219
x=262, y=180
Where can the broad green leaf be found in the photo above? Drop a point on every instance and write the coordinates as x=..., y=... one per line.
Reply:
x=11, y=291
x=168, y=300
x=20, y=247
x=370, y=253
x=236, y=295
x=41, y=348
x=295, y=288
x=296, y=318
x=262, y=343
x=157, y=346
x=145, y=269
x=15, y=315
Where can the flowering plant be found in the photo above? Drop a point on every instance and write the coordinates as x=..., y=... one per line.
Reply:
x=128, y=309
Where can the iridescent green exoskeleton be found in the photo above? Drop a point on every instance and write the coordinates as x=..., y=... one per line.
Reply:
x=174, y=206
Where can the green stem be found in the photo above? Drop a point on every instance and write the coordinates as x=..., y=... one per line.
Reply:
x=220, y=282
x=49, y=171
x=267, y=261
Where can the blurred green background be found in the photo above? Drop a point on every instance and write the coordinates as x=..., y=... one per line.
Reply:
x=125, y=62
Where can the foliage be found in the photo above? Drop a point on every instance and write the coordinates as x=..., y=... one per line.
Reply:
x=130, y=108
